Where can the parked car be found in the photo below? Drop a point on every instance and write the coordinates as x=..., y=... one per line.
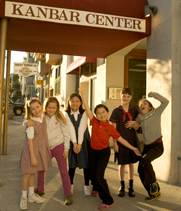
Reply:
x=18, y=107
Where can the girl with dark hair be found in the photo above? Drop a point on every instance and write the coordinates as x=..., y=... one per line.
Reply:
x=77, y=121
x=100, y=151
x=150, y=121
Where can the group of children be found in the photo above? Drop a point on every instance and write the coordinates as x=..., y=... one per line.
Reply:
x=50, y=134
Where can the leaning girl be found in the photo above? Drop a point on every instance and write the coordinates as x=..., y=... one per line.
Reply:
x=100, y=150
x=59, y=139
x=36, y=154
x=150, y=121
x=77, y=120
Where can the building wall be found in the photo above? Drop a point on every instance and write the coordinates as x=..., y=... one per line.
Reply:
x=176, y=86
x=115, y=73
x=163, y=76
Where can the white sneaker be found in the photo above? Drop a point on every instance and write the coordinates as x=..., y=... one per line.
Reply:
x=72, y=188
x=36, y=198
x=87, y=190
x=23, y=204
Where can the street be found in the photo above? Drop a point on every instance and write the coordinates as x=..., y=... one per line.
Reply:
x=11, y=179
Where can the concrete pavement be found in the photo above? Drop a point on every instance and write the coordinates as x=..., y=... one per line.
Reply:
x=11, y=179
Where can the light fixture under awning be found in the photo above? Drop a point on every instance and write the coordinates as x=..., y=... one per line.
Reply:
x=73, y=68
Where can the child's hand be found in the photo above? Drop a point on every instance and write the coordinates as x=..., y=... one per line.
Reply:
x=65, y=154
x=81, y=90
x=63, y=117
x=75, y=148
x=129, y=124
x=136, y=125
x=78, y=148
x=34, y=162
x=137, y=152
x=150, y=94
x=116, y=147
x=30, y=123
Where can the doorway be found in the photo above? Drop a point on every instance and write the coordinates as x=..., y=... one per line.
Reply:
x=135, y=74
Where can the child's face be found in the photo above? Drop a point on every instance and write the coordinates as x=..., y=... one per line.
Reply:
x=102, y=114
x=144, y=107
x=51, y=108
x=125, y=98
x=75, y=103
x=36, y=109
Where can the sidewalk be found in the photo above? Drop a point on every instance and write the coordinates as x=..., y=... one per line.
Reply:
x=11, y=179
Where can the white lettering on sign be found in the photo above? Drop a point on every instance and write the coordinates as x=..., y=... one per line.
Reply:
x=74, y=17
x=25, y=69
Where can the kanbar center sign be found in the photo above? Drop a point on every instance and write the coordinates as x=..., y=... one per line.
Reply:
x=25, y=69
x=74, y=17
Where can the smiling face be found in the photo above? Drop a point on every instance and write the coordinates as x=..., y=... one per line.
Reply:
x=102, y=114
x=36, y=109
x=144, y=106
x=75, y=103
x=125, y=99
x=51, y=108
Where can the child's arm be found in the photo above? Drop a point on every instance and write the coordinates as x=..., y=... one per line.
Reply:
x=32, y=155
x=163, y=100
x=66, y=138
x=82, y=127
x=63, y=117
x=30, y=135
x=89, y=112
x=72, y=132
x=30, y=123
x=65, y=154
x=116, y=148
x=126, y=144
x=132, y=124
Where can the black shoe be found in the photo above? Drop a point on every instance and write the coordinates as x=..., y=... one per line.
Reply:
x=131, y=192
x=151, y=198
x=153, y=188
x=121, y=192
x=40, y=193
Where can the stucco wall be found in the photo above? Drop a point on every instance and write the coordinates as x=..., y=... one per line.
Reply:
x=115, y=73
x=163, y=76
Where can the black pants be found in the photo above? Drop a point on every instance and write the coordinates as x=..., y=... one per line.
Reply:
x=145, y=168
x=86, y=175
x=98, y=163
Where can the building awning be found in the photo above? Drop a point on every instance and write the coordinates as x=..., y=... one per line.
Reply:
x=96, y=28
x=73, y=68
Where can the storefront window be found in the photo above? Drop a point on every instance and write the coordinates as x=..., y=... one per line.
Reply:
x=88, y=69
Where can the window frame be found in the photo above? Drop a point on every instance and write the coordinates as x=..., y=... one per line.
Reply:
x=139, y=54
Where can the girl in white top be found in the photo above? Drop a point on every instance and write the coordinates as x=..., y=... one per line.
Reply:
x=77, y=120
x=59, y=141
x=36, y=153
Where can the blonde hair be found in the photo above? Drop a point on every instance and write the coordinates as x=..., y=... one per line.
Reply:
x=27, y=107
x=57, y=113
